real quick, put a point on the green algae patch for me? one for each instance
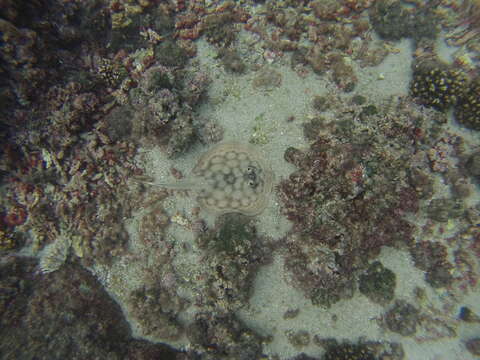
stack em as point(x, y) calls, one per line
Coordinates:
point(378, 283)
point(235, 232)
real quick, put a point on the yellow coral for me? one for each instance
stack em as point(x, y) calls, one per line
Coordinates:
point(119, 20)
point(6, 242)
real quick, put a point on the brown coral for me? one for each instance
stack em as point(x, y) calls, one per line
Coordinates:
point(16, 215)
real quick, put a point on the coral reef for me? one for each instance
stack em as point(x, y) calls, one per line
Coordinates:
point(298, 339)
point(342, 72)
point(317, 272)
point(431, 257)
point(86, 84)
point(467, 111)
point(444, 209)
point(60, 165)
point(169, 53)
point(392, 20)
point(420, 319)
point(224, 337)
point(438, 85)
point(219, 23)
point(361, 350)
point(155, 310)
point(389, 19)
point(332, 183)
point(137, 24)
point(234, 253)
point(67, 159)
point(163, 107)
point(39, 40)
point(348, 351)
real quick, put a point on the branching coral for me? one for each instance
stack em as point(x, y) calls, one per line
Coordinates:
point(54, 255)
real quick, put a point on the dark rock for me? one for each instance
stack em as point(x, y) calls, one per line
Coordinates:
point(467, 315)
point(473, 164)
point(473, 346)
point(63, 315)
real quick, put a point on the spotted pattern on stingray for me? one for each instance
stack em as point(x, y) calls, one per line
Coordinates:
point(234, 178)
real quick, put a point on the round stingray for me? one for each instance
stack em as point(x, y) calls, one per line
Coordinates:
point(233, 178)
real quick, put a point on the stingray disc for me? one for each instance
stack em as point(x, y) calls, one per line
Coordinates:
point(233, 178)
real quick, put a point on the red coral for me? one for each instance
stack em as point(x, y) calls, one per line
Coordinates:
point(16, 216)
point(186, 21)
point(189, 34)
point(407, 201)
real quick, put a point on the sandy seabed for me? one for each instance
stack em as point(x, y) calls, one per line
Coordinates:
point(238, 107)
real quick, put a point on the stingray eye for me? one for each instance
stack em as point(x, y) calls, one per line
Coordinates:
point(250, 169)
point(252, 183)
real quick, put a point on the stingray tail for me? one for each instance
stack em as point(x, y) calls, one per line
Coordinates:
point(179, 185)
